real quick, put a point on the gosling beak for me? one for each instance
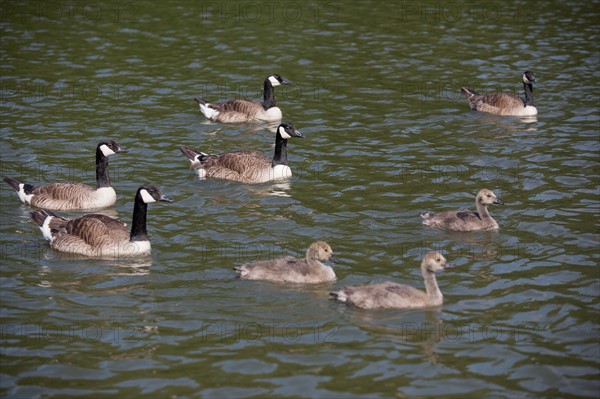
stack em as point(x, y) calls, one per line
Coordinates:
point(333, 259)
point(497, 202)
point(448, 265)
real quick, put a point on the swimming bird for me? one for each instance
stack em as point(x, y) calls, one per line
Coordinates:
point(503, 103)
point(466, 220)
point(246, 166)
point(244, 110)
point(309, 270)
point(398, 296)
point(73, 196)
point(96, 235)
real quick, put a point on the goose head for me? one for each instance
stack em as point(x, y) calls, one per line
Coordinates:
point(435, 261)
point(529, 77)
point(287, 131)
point(110, 147)
point(277, 80)
point(487, 197)
point(150, 194)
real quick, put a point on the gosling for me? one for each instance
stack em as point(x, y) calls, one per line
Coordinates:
point(291, 270)
point(466, 220)
point(391, 295)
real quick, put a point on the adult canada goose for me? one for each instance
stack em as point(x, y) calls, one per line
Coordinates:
point(466, 220)
point(96, 235)
point(291, 270)
point(244, 110)
point(502, 103)
point(246, 166)
point(399, 296)
point(73, 196)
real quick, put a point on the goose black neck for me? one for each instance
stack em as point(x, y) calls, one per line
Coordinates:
point(529, 94)
point(269, 95)
point(102, 179)
point(280, 156)
point(138, 223)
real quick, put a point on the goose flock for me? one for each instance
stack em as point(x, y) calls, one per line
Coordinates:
point(100, 236)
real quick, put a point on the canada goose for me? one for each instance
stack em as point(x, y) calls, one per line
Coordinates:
point(96, 235)
point(244, 110)
point(393, 295)
point(466, 220)
point(291, 270)
point(73, 196)
point(502, 103)
point(246, 166)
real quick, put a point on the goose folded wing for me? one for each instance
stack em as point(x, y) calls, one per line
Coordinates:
point(98, 229)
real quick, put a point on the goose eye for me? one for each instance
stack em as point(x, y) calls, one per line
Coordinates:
point(437, 260)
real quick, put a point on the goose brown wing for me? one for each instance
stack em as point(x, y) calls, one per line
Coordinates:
point(96, 229)
point(241, 161)
point(247, 107)
point(61, 191)
point(502, 100)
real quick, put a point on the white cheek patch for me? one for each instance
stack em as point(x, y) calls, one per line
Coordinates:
point(106, 151)
point(274, 81)
point(146, 197)
point(283, 133)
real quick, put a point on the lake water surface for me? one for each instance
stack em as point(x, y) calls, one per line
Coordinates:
point(388, 135)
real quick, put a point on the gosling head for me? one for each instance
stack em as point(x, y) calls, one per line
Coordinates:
point(321, 251)
point(435, 261)
point(529, 77)
point(487, 197)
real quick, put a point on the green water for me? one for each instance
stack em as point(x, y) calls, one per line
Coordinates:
point(388, 135)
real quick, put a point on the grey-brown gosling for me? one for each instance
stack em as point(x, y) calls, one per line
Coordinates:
point(309, 270)
point(503, 103)
point(246, 166)
point(73, 196)
point(466, 220)
point(244, 110)
point(96, 235)
point(391, 295)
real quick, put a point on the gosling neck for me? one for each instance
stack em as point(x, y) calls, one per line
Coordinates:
point(434, 295)
point(482, 210)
